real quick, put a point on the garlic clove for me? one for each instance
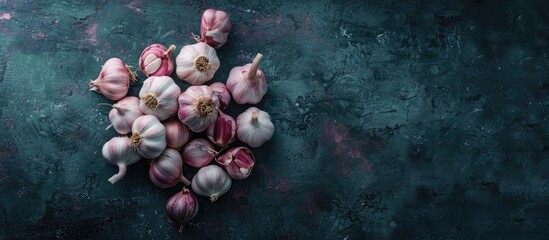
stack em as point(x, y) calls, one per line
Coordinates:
point(223, 131)
point(247, 83)
point(151, 57)
point(238, 162)
point(222, 93)
point(254, 127)
point(198, 153)
point(153, 66)
point(211, 181)
point(182, 207)
point(117, 151)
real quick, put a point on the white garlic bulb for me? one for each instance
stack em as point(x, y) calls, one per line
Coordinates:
point(124, 113)
point(159, 97)
point(197, 63)
point(254, 127)
point(211, 181)
point(148, 136)
point(117, 151)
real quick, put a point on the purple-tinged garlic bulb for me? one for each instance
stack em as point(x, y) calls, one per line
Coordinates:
point(156, 60)
point(197, 63)
point(167, 170)
point(123, 114)
point(247, 83)
point(148, 136)
point(238, 162)
point(117, 151)
point(177, 134)
point(254, 127)
point(198, 107)
point(211, 181)
point(214, 27)
point(114, 80)
point(159, 97)
point(182, 208)
point(198, 153)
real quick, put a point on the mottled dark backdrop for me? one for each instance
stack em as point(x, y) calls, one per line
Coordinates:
point(394, 120)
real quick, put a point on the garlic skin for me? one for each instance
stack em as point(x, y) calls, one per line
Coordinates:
point(238, 162)
point(167, 170)
point(197, 63)
point(117, 151)
point(223, 131)
point(198, 107)
point(222, 93)
point(254, 127)
point(156, 60)
point(182, 208)
point(148, 136)
point(211, 181)
point(159, 97)
point(198, 153)
point(177, 134)
point(214, 27)
point(247, 83)
point(114, 80)
point(124, 113)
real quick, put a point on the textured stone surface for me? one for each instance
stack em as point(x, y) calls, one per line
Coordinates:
point(394, 119)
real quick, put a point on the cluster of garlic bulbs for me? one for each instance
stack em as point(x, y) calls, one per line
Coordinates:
point(160, 123)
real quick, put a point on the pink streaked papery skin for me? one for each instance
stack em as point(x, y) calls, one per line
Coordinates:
point(215, 27)
point(163, 59)
point(165, 91)
point(114, 80)
point(186, 69)
point(222, 93)
point(124, 113)
point(223, 131)
point(177, 134)
point(254, 127)
point(167, 170)
point(151, 134)
point(182, 208)
point(117, 151)
point(247, 83)
point(188, 103)
point(238, 162)
point(198, 153)
point(211, 181)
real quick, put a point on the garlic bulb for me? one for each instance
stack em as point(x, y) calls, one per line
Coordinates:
point(159, 97)
point(156, 60)
point(223, 131)
point(114, 80)
point(182, 208)
point(254, 127)
point(214, 28)
point(222, 93)
point(123, 114)
point(211, 181)
point(247, 83)
point(198, 153)
point(177, 134)
point(238, 162)
point(167, 170)
point(148, 136)
point(117, 152)
point(197, 63)
point(198, 107)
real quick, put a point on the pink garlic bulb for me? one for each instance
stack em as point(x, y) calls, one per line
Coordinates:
point(156, 60)
point(211, 181)
point(223, 131)
point(247, 83)
point(254, 127)
point(238, 162)
point(198, 153)
point(117, 151)
point(148, 136)
point(177, 134)
point(167, 170)
point(159, 97)
point(222, 93)
point(124, 113)
point(214, 28)
point(197, 63)
point(182, 208)
point(114, 80)
point(198, 107)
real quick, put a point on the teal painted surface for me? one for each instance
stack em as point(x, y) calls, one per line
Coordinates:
point(394, 119)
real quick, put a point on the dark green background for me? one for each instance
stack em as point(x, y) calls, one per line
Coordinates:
point(394, 120)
